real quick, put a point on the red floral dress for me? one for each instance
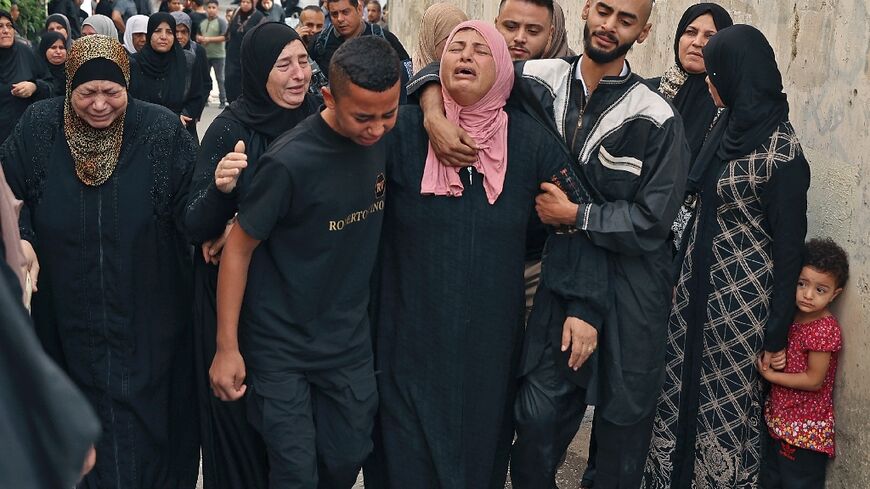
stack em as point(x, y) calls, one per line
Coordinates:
point(802, 418)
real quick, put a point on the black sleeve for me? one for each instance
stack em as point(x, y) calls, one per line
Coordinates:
point(785, 202)
point(209, 209)
point(267, 199)
point(196, 95)
point(574, 269)
point(16, 157)
point(638, 226)
point(427, 74)
point(45, 417)
point(184, 159)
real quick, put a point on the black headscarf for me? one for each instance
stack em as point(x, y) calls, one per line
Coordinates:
point(243, 22)
point(159, 65)
point(58, 72)
point(9, 64)
point(692, 99)
point(742, 66)
point(17, 63)
point(61, 19)
point(255, 108)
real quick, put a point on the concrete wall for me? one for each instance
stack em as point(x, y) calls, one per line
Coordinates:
point(823, 50)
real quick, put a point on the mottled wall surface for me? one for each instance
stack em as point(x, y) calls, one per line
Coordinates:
point(823, 49)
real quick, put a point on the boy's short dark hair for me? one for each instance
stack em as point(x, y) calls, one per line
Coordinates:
point(824, 255)
point(540, 3)
point(353, 3)
point(368, 62)
point(197, 2)
point(212, 2)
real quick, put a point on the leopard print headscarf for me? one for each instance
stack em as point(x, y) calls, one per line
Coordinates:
point(94, 151)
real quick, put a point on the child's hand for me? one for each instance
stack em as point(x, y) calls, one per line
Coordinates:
point(777, 360)
point(765, 371)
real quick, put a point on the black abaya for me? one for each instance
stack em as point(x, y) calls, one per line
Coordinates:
point(113, 306)
point(233, 452)
point(166, 79)
point(57, 72)
point(18, 63)
point(240, 24)
point(450, 306)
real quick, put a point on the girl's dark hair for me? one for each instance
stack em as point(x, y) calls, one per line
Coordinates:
point(826, 256)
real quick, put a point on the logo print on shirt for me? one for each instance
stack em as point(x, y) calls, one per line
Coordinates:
point(380, 186)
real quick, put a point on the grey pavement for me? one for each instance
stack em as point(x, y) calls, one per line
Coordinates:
point(572, 470)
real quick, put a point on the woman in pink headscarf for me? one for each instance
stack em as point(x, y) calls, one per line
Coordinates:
point(450, 301)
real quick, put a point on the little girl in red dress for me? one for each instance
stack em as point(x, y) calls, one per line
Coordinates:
point(800, 409)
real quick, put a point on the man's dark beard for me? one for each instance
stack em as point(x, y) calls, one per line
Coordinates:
point(599, 56)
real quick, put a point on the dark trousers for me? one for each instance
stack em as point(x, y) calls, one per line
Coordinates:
point(317, 425)
point(548, 412)
point(788, 467)
point(588, 480)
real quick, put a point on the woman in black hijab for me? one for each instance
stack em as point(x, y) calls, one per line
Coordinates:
point(104, 181)
point(232, 451)
point(23, 79)
point(161, 73)
point(734, 299)
point(685, 86)
point(60, 23)
point(247, 17)
point(53, 52)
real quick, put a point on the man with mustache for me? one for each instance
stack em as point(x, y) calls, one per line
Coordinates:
point(628, 143)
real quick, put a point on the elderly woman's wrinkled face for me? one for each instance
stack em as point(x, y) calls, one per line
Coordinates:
point(162, 39)
point(692, 42)
point(57, 27)
point(139, 39)
point(88, 30)
point(288, 81)
point(99, 102)
point(56, 53)
point(468, 67)
point(7, 33)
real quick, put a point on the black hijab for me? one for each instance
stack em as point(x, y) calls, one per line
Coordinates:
point(58, 72)
point(9, 64)
point(742, 66)
point(692, 99)
point(61, 19)
point(255, 108)
point(17, 63)
point(161, 65)
point(243, 22)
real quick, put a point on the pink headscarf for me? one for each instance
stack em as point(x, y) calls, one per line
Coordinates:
point(485, 121)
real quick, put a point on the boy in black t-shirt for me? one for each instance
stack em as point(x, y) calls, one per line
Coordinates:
point(307, 235)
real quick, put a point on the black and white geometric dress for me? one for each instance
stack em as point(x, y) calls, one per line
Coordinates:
point(729, 304)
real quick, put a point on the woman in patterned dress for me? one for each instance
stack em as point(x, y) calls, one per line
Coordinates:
point(741, 259)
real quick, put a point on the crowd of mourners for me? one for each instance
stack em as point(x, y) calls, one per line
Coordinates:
point(424, 269)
